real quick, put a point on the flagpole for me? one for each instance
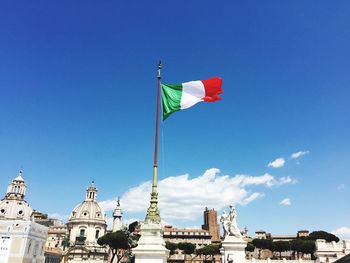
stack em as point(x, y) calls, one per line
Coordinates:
point(153, 214)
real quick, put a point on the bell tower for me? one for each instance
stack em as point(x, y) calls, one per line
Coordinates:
point(211, 224)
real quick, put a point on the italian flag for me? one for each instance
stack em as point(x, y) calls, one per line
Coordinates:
point(182, 96)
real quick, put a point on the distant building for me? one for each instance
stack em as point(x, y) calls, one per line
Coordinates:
point(265, 253)
point(85, 225)
point(56, 241)
point(210, 232)
point(328, 252)
point(246, 235)
point(21, 239)
point(39, 216)
point(303, 233)
point(199, 237)
point(261, 234)
point(56, 236)
point(211, 224)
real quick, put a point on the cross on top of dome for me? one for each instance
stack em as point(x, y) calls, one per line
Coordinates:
point(19, 177)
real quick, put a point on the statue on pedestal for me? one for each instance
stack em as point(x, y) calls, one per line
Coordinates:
point(229, 223)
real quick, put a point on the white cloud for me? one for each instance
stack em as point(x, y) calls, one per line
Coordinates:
point(287, 180)
point(342, 232)
point(286, 201)
point(299, 154)
point(279, 162)
point(183, 198)
point(108, 205)
point(341, 187)
point(126, 222)
point(109, 221)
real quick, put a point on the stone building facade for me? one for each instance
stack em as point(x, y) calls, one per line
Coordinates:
point(199, 237)
point(85, 225)
point(21, 239)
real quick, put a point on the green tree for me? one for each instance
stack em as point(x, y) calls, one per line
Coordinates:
point(171, 246)
point(323, 235)
point(133, 226)
point(210, 250)
point(262, 244)
point(295, 245)
point(307, 247)
point(119, 242)
point(250, 247)
point(65, 242)
point(187, 248)
point(281, 246)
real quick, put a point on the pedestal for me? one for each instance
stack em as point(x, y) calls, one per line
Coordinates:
point(233, 250)
point(151, 246)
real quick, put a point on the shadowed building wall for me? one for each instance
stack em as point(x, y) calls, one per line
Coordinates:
point(211, 224)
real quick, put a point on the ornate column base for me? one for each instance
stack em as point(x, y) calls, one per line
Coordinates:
point(151, 246)
point(233, 248)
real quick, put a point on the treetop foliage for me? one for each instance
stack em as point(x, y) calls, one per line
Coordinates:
point(323, 235)
point(187, 248)
point(208, 250)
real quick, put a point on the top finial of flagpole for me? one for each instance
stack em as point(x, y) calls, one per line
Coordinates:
point(159, 68)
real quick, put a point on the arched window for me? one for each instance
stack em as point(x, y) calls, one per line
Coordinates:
point(82, 232)
point(97, 233)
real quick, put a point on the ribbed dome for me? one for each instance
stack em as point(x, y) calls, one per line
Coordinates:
point(89, 210)
point(15, 209)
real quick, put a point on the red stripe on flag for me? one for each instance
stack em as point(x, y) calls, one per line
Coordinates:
point(212, 89)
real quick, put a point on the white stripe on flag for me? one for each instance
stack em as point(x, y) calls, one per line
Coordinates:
point(192, 93)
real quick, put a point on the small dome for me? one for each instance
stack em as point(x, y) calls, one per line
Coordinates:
point(89, 210)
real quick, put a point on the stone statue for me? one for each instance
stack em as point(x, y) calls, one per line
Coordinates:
point(229, 223)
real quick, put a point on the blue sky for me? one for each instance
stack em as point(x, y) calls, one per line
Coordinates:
point(78, 86)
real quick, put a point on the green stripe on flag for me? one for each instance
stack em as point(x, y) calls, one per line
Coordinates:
point(171, 98)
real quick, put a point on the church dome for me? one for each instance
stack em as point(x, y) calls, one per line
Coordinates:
point(13, 205)
point(89, 209)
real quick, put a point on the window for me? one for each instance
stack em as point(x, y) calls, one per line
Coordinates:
point(82, 232)
point(97, 233)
